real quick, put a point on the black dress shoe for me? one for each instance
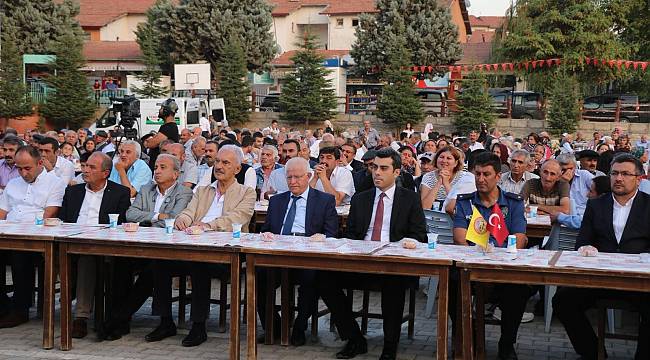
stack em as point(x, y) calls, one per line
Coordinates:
point(388, 355)
point(261, 339)
point(163, 331)
point(79, 329)
point(114, 330)
point(507, 354)
point(353, 348)
point(13, 319)
point(298, 337)
point(196, 337)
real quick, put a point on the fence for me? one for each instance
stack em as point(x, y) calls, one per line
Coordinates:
point(39, 92)
point(617, 112)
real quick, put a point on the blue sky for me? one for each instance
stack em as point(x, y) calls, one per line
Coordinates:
point(488, 7)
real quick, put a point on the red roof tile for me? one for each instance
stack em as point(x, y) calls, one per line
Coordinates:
point(480, 36)
point(285, 7)
point(284, 59)
point(492, 22)
point(477, 53)
point(112, 51)
point(97, 13)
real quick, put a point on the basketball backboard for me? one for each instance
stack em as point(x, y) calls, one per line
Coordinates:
point(192, 76)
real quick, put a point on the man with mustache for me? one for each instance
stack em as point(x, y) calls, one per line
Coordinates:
point(331, 178)
point(130, 170)
point(8, 169)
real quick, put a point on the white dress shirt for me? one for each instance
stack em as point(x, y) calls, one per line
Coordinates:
point(89, 212)
point(64, 169)
point(216, 208)
point(342, 181)
point(204, 175)
point(388, 209)
point(22, 200)
point(620, 213)
point(250, 178)
point(160, 198)
point(301, 212)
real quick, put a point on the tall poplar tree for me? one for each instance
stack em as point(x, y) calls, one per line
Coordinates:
point(474, 104)
point(149, 45)
point(14, 101)
point(232, 81)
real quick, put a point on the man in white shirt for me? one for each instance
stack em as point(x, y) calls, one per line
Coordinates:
point(331, 178)
point(90, 203)
point(49, 149)
point(513, 181)
point(204, 124)
point(35, 191)
point(205, 169)
point(473, 143)
point(277, 179)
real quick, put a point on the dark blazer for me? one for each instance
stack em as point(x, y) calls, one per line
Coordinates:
point(320, 217)
point(407, 217)
point(357, 165)
point(597, 227)
point(116, 200)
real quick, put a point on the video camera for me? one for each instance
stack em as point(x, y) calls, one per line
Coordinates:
point(129, 109)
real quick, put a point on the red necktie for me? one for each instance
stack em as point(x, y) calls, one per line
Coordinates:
point(379, 219)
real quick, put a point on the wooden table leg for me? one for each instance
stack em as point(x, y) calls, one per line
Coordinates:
point(284, 301)
point(48, 296)
point(480, 322)
point(66, 306)
point(443, 303)
point(235, 268)
point(269, 321)
point(251, 312)
point(466, 295)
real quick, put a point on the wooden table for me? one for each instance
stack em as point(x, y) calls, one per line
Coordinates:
point(538, 272)
point(538, 227)
point(151, 243)
point(345, 260)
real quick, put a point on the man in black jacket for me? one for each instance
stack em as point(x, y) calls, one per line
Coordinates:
point(90, 203)
point(613, 223)
point(384, 213)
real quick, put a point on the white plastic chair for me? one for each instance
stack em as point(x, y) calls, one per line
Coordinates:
point(438, 223)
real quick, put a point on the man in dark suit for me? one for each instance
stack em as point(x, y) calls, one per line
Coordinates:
point(385, 213)
point(302, 211)
point(90, 204)
point(616, 223)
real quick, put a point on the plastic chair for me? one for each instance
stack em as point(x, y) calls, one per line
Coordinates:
point(437, 223)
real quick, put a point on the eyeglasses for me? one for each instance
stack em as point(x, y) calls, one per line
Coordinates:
point(624, 174)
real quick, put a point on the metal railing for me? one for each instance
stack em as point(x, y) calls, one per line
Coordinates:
point(622, 112)
point(39, 92)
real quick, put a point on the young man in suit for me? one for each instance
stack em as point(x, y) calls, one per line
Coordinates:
point(214, 207)
point(385, 213)
point(612, 223)
point(163, 199)
point(34, 191)
point(301, 211)
point(89, 204)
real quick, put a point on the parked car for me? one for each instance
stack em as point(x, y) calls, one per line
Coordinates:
point(603, 108)
point(526, 104)
point(271, 102)
point(433, 101)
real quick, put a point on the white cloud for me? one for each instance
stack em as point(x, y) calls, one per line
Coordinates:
point(489, 7)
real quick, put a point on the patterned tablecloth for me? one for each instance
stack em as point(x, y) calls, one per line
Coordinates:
point(604, 261)
point(29, 229)
point(306, 244)
point(539, 220)
point(157, 235)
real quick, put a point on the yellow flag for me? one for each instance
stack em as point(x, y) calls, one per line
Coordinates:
point(477, 229)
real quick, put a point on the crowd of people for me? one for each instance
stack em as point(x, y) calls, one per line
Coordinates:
point(212, 180)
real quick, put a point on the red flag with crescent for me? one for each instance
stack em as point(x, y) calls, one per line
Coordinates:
point(497, 225)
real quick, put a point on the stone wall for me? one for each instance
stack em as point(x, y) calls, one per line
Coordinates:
point(517, 127)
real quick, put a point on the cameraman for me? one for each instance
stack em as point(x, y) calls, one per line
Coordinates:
point(168, 130)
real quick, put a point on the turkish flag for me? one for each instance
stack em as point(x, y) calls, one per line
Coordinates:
point(497, 225)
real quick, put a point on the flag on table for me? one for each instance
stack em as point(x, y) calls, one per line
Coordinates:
point(477, 229)
point(497, 225)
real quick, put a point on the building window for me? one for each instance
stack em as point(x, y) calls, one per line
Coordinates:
point(339, 22)
point(86, 36)
point(355, 22)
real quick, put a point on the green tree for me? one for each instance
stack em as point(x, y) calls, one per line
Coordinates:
point(398, 103)
point(307, 95)
point(14, 101)
point(567, 29)
point(39, 23)
point(198, 30)
point(232, 80)
point(149, 45)
point(563, 110)
point(474, 104)
point(71, 103)
point(431, 36)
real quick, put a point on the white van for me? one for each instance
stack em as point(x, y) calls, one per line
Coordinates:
point(187, 116)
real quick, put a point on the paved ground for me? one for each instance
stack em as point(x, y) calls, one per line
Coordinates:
point(533, 343)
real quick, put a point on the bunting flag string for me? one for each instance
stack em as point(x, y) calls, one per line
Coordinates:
point(531, 65)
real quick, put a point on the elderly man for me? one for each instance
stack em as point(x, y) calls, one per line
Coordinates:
point(616, 223)
point(130, 170)
point(331, 178)
point(189, 172)
point(300, 211)
point(277, 179)
point(195, 153)
point(268, 161)
point(156, 201)
point(89, 204)
point(185, 137)
point(103, 142)
point(515, 179)
point(550, 193)
point(370, 135)
point(63, 168)
point(82, 135)
point(215, 207)
point(204, 170)
point(72, 139)
point(35, 191)
point(579, 181)
point(8, 168)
